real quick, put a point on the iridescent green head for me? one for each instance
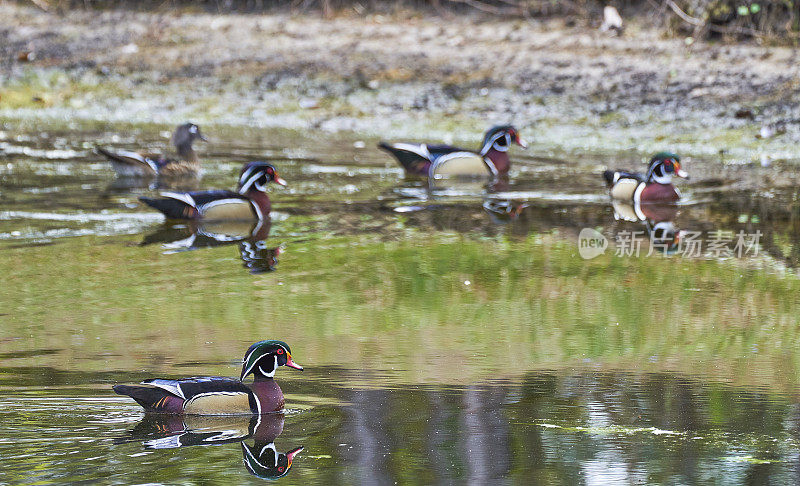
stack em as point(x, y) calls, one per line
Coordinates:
point(663, 166)
point(264, 357)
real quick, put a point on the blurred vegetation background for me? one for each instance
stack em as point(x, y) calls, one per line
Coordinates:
point(731, 20)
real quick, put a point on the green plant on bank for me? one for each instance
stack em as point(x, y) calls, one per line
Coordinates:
point(44, 88)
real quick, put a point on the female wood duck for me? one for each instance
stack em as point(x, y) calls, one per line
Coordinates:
point(214, 395)
point(654, 186)
point(249, 203)
point(133, 164)
point(437, 161)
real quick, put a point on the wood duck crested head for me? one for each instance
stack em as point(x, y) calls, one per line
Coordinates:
point(663, 166)
point(263, 359)
point(265, 462)
point(494, 148)
point(256, 175)
point(500, 138)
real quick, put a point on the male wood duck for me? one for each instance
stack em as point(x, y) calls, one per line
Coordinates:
point(249, 203)
point(438, 161)
point(214, 395)
point(262, 459)
point(654, 186)
point(134, 164)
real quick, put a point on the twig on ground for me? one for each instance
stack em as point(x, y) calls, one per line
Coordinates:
point(686, 17)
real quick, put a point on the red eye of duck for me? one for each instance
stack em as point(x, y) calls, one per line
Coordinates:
point(280, 351)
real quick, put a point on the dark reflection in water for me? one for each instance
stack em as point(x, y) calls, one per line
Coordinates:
point(260, 457)
point(250, 238)
point(658, 220)
point(581, 428)
point(602, 428)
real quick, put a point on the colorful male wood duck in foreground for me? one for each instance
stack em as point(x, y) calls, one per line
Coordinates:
point(438, 161)
point(249, 203)
point(214, 395)
point(654, 186)
point(133, 164)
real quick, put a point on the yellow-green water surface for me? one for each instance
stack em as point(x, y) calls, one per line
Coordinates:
point(443, 341)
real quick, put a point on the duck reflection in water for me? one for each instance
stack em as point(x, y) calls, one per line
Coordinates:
point(251, 238)
point(658, 220)
point(503, 211)
point(261, 459)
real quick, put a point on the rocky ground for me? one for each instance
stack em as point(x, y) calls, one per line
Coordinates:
point(570, 89)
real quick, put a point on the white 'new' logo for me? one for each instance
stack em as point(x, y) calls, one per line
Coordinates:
point(591, 243)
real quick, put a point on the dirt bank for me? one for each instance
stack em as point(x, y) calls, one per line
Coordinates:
point(571, 89)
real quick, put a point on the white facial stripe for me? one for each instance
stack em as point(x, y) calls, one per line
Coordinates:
point(250, 181)
point(270, 446)
point(660, 176)
point(246, 359)
point(193, 129)
point(247, 173)
point(502, 148)
point(491, 142)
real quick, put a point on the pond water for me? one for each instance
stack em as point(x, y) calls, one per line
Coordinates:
point(449, 334)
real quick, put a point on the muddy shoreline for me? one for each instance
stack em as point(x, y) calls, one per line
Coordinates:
point(573, 90)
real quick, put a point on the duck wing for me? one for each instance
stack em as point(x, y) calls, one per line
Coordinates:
point(212, 395)
point(127, 163)
point(613, 176)
point(192, 205)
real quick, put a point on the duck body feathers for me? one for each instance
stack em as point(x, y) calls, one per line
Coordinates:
point(633, 187)
point(205, 395)
point(437, 160)
point(133, 164)
point(210, 205)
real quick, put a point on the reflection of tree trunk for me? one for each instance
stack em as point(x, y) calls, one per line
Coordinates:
point(366, 437)
point(439, 434)
point(793, 428)
point(485, 435)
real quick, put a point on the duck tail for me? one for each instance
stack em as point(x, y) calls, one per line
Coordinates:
point(171, 208)
point(129, 164)
point(146, 396)
point(151, 398)
point(411, 161)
